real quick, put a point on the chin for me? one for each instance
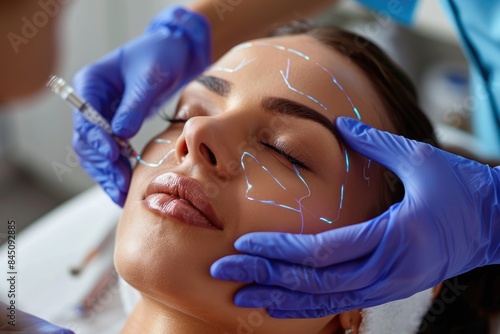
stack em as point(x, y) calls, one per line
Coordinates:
point(170, 263)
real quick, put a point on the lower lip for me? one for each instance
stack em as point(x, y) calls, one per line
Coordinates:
point(173, 207)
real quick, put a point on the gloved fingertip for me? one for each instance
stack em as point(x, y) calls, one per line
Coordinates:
point(122, 174)
point(243, 243)
point(217, 270)
point(104, 145)
point(115, 194)
point(242, 299)
point(255, 242)
point(227, 270)
point(278, 314)
point(350, 126)
point(67, 331)
point(120, 201)
point(127, 120)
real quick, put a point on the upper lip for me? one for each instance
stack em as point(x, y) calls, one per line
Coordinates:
point(187, 189)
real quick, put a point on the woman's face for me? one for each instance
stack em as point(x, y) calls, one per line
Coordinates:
point(257, 152)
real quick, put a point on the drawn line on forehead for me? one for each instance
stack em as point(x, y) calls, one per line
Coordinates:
point(285, 78)
point(242, 64)
point(334, 80)
point(306, 57)
point(275, 46)
point(222, 87)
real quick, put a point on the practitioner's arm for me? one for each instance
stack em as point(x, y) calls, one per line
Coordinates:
point(233, 22)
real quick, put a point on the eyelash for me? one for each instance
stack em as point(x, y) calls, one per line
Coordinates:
point(172, 119)
point(279, 148)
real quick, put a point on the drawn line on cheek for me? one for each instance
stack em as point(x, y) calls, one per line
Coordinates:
point(301, 208)
point(250, 186)
point(365, 170)
point(285, 77)
point(152, 164)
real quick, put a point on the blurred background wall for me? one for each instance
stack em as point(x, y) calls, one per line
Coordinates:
point(38, 169)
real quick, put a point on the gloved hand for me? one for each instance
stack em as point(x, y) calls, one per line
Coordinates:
point(127, 84)
point(26, 323)
point(447, 223)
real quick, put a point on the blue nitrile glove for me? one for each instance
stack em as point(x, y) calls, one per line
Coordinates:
point(448, 223)
point(127, 84)
point(20, 322)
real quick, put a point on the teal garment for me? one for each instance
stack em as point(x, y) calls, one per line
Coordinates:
point(400, 10)
point(478, 26)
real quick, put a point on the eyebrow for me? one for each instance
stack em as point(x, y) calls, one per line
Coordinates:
point(217, 85)
point(277, 105)
point(291, 108)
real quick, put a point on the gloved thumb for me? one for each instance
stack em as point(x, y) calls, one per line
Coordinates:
point(152, 74)
point(132, 110)
point(394, 152)
point(142, 94)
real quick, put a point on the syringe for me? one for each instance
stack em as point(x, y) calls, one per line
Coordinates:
point(67, 93)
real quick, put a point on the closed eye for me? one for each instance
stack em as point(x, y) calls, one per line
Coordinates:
point(288, 155)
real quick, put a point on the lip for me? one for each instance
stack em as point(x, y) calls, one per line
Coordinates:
point(176, 196)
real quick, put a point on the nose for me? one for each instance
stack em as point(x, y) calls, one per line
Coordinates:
point(205, 141)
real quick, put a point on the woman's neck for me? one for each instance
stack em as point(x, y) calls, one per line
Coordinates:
point(150, 317)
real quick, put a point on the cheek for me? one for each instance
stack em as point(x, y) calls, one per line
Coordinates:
point(323, 210)
point(270, 197)
point(279, 199)
point(363, 194)
point(160, 151)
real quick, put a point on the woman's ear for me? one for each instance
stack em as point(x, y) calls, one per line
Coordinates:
point(350, 321)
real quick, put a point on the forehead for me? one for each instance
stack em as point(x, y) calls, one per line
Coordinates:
point(299, 67)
